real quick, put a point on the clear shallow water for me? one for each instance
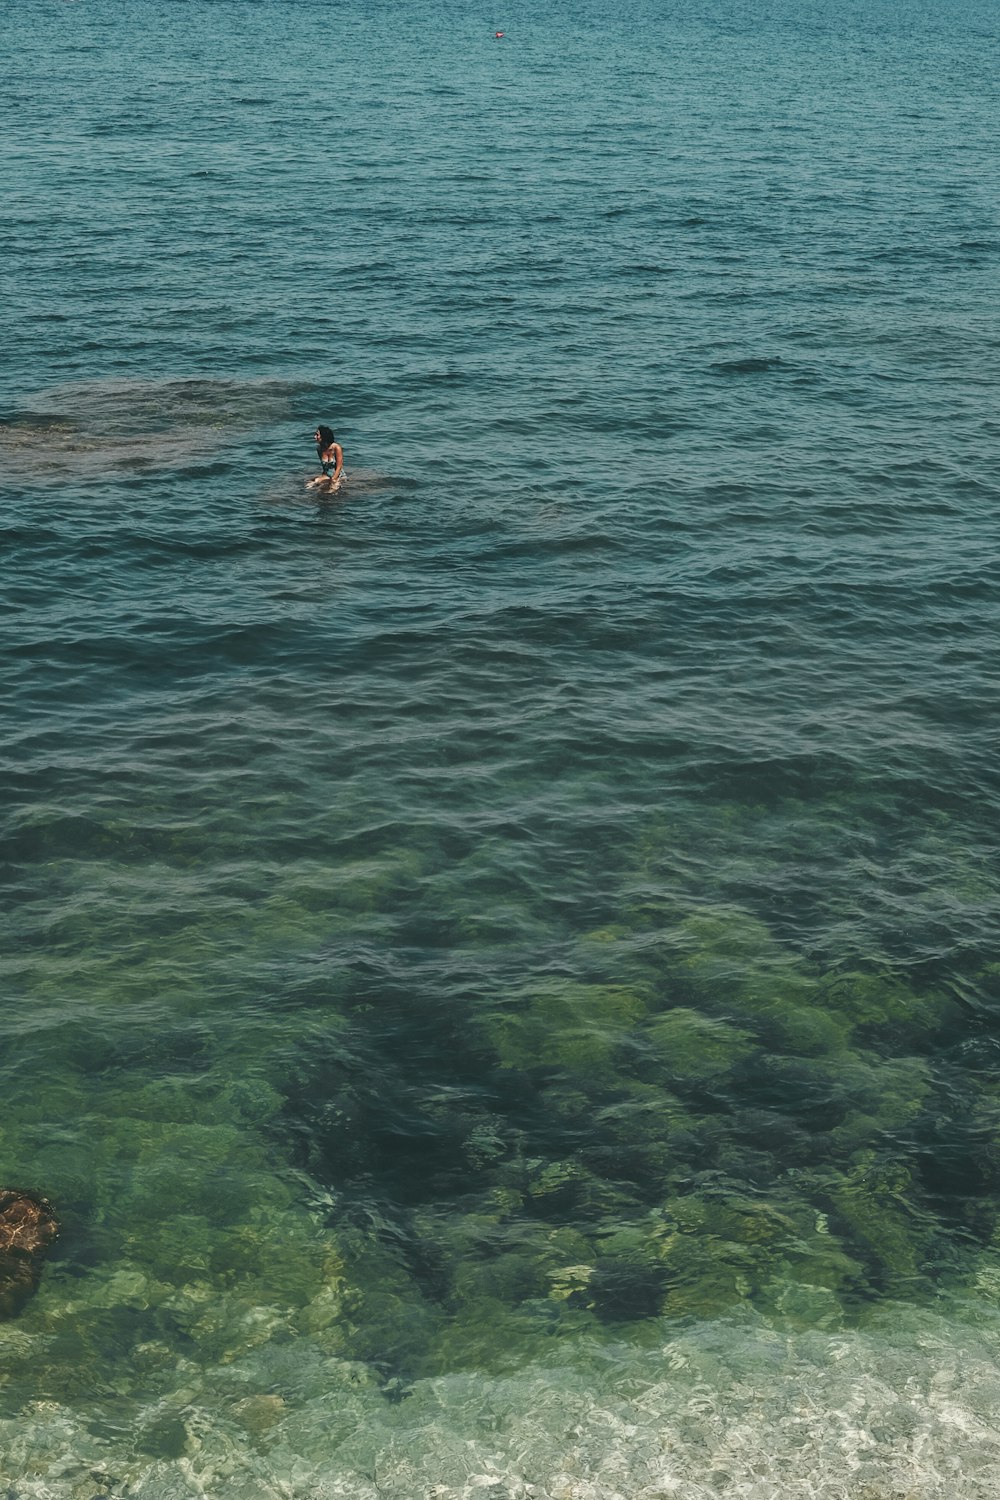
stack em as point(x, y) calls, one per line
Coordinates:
point(501, 981)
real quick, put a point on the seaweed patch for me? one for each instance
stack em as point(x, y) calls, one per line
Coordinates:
point(28, 1225)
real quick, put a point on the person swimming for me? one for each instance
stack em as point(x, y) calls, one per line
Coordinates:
point(331, 457)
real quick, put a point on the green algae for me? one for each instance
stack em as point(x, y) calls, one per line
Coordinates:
point(259, 1128)
point(567, 1027)
point(186, 1198)
point(601, 1109)
point(695, 1047)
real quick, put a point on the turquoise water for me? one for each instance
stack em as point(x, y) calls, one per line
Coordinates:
point(502, 982)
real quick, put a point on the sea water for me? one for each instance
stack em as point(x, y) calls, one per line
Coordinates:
point(502, 984)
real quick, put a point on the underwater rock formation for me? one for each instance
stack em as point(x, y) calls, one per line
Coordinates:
point(28, 1226)
point(91, 429)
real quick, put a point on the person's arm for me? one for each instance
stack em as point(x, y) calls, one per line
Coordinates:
point(338, 455)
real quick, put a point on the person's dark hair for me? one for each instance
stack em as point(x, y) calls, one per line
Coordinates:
point(325, 436)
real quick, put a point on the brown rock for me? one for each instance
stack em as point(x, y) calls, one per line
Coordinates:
point(28, 1226)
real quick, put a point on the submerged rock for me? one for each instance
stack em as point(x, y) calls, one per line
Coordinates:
point(28, 1226)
